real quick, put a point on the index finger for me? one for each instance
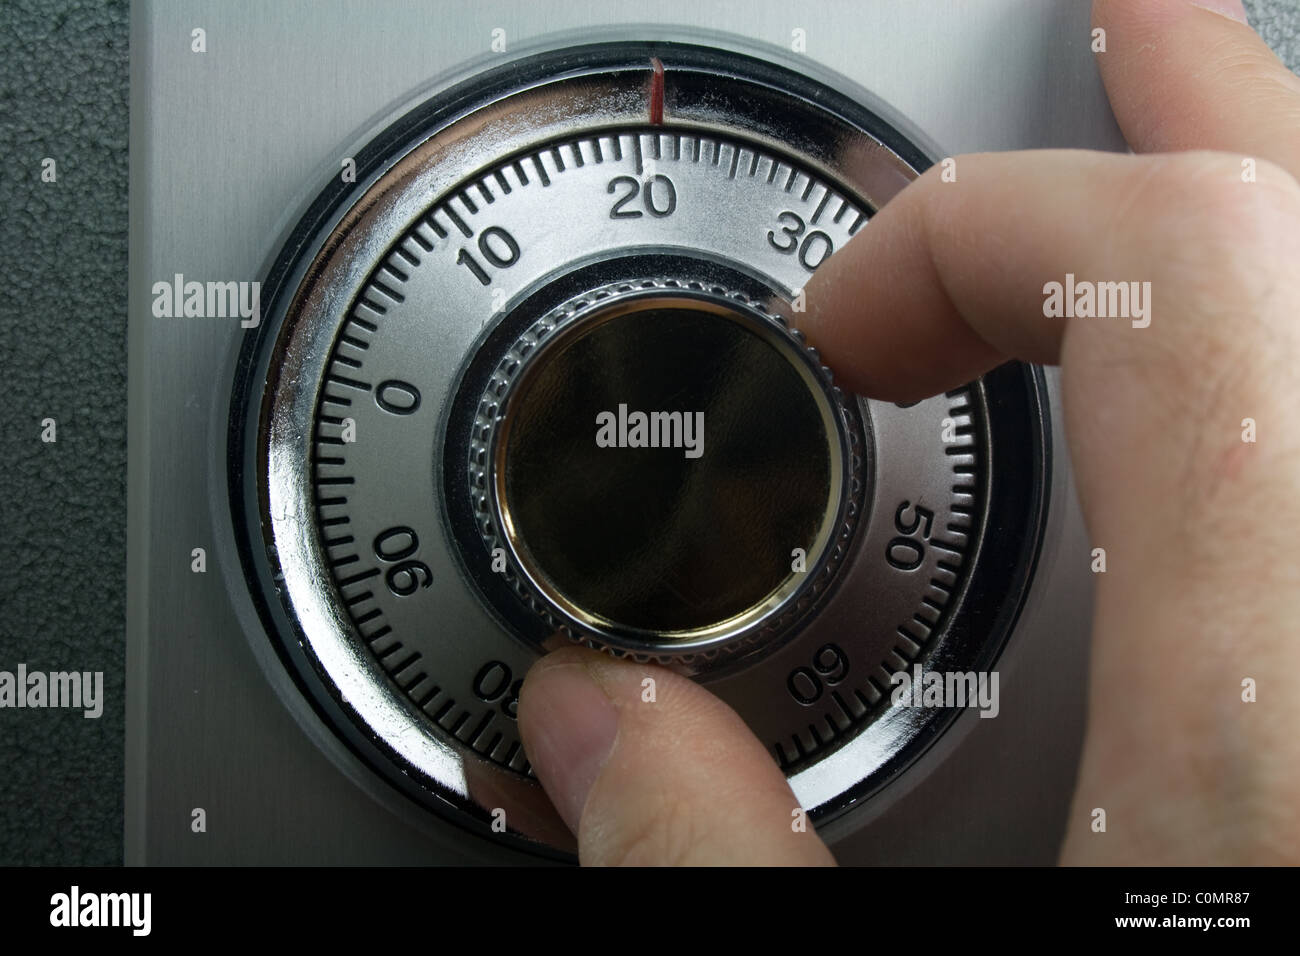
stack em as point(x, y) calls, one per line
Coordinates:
point(948, 279)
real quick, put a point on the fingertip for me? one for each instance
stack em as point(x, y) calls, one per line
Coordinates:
point(1193, 74)
point(569, 725)
point(648, 767)
point(1155, 12)
point(1232, 9)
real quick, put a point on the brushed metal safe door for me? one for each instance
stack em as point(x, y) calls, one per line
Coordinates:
point(458, 332)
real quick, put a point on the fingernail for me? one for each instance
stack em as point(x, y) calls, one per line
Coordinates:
point(1229, 8)
point(570, 732)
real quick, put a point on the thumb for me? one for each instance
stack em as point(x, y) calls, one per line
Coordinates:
point(648, 768)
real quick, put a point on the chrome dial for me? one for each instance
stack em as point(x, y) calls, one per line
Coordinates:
point(421, 475)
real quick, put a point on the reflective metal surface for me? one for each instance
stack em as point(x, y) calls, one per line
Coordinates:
point(231, 712)
point(666, 551)
point(374, 354)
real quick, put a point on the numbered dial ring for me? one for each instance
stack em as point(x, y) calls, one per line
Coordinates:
point(435, 443)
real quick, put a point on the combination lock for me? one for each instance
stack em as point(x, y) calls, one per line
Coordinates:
point(535, 377)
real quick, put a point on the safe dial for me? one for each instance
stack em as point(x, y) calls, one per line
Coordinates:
point(536, 378)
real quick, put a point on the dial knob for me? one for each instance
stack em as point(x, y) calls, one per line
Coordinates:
point(662, 467)
point(532, 379)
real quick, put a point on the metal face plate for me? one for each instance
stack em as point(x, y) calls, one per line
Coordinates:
point(213, 718)
point(370, 352)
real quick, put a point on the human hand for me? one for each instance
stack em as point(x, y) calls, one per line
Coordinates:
point(1198, 525)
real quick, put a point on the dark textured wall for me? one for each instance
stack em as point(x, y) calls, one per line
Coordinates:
point(63, 95)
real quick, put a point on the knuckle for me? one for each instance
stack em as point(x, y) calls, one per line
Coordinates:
point(1220, 252)
point(1223, 341)
point(1199, 205)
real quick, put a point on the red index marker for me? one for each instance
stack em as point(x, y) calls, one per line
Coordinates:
point(657, 92)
